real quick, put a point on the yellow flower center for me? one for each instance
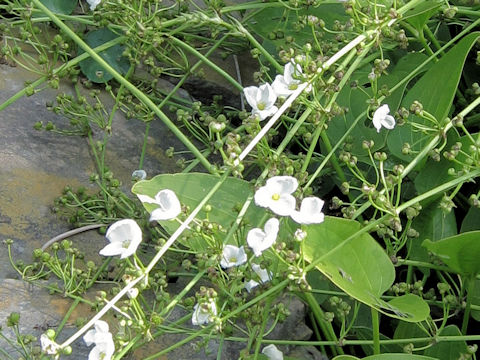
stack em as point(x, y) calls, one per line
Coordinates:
point(276, 197)
point(292, 87)
point(233, 259)
point(126, 243)
point(261, 106)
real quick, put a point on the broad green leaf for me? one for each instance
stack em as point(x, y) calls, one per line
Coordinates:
point(471, 221)
point(448, 350)
point(420, 14)
point(433, 224)
point(60, 6)
point(386, 357)
point(360, 267)
point(191, 188)
point(112, 56)
point(460, 252)
point(435, 90)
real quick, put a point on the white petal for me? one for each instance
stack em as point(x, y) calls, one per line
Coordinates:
point(280, 86)
point(287, 184)
point(263, 114)
point(146, 199)
point(89, 337)
point(268, 95)
point(112, 249)
point(388, 122)
point(251, 95)
point(272, 352)
point(263, 196)
point(251, 285)
point(169, 206)
point(260, 240)
point(263, 274)
point(283, 206)
point(101, 326)
point(93, 3)
point(310, 211)
point(102, 351)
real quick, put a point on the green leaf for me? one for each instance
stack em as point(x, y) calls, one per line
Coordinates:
point(191, 188)
point(420, 14)
point(360, 267)
point(470, 221)
point(460, 252)
point(433, 224)
point(436, 91)
point(447, 350)
point(65, 7)
point(112, 56)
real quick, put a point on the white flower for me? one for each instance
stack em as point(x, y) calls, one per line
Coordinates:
point(276, 195)
point(169, 205)
point(263, 274)
point(103, 340)
point(124, 236)
point(262, 100)
point(233, 256)
point(48, 345)
point(310, 211)
point(260, 240)
point(202, 313)
point(93, 3)
point(272, 352)
point(381, 118)
point(286, 84)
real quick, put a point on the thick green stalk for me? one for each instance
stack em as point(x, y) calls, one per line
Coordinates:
point(132, 88)
point(470, 295)
point(376, 331)
point(325, 326)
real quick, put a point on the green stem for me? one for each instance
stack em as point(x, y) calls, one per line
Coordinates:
point(132, 88)
point(67, 316)
point(325, 326)
point(470, 294)
point(376, 331)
